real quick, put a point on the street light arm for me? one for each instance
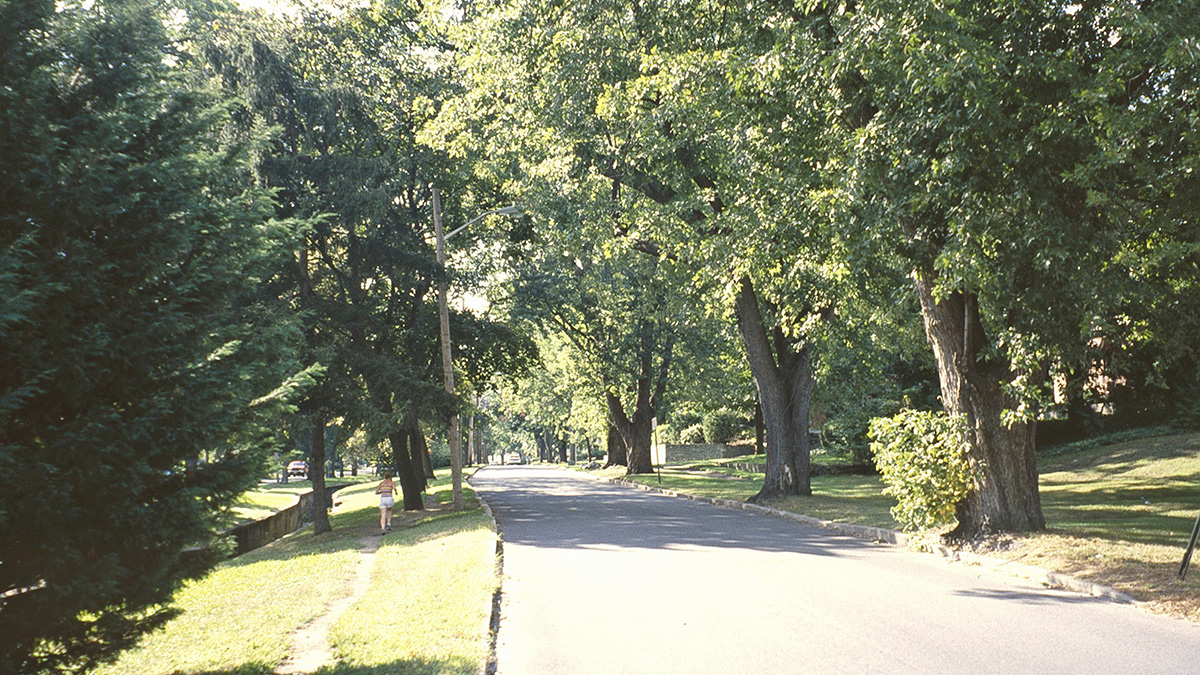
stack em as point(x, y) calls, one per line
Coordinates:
point(502, 211)
point(454, 437)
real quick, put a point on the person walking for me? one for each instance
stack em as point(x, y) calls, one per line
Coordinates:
point(386, 491)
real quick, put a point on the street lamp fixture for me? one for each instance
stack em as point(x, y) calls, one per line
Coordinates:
point(503, 211)
point(455, 435)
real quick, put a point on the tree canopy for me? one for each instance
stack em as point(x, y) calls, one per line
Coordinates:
point(216, 239)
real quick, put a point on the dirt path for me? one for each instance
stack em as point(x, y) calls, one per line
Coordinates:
point(310, 643)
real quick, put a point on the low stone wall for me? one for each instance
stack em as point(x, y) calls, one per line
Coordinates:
point(679, 454)
point(748, 468)
point(814, 469)
point(258, 533)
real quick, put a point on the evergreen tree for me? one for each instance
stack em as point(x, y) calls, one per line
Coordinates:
point(138, 332)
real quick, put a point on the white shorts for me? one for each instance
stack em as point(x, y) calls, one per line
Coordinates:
point(386, 502)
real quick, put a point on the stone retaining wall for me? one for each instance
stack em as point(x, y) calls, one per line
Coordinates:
point(680, 454)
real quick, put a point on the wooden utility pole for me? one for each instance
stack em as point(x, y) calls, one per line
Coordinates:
point(455, 439)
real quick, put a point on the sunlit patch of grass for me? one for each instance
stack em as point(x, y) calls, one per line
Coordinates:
point(267, 499)
point(1120, 515)
point(429, 603)
point(239, 617)
point(716, 487)
point(844, 499)
point(610, 472)
point(1138, 492)
point(847, 499)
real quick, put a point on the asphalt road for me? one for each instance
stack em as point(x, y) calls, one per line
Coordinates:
point(602, 578)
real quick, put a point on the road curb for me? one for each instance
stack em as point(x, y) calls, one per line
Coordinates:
point(900, 539)
point(493, 620)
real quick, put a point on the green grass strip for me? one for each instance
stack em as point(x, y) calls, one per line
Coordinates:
point(430, 600)
point(425, 612)
point(239, 618)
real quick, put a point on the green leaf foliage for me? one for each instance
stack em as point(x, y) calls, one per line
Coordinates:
point(722, 426)
point(692, 435)
point(138, 333)
point(922, 458)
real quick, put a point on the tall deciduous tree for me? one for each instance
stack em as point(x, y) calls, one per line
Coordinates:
point(139, 329)
point(616, 107)
point(970, 145)
point(349, 92)
point(345, 155)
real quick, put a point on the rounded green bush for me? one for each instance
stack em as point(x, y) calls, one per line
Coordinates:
point(721, 426)
point(666, 434)
point(921, 457)
point(692, 435)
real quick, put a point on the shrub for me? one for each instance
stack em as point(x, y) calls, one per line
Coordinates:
point(846, 430)
point(921, 457)
point(721, 426)
point(1187, 409)
point(692, 435)
point(667, 434)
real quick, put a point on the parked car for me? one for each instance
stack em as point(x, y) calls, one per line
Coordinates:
point(298, 467)
point(513, 458)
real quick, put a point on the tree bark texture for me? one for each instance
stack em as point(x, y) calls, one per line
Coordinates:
point(1004, 492)
point(783, 375)
point(539, 438)
point(633, 433)
point(316, 471)
point(760, 429)
point(420, 448)
point(637, 432)
point(616, 448)
point(406, 471)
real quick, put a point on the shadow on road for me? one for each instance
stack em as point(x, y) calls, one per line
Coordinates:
point(1028, 597)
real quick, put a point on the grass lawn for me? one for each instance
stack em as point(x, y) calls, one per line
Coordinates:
point(1121, 515)
point(429, 605)
point(238, 618)
point(1117, 513)
point(269, 497)
point(431, 589)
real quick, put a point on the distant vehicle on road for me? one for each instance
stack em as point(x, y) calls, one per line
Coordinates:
point(298, 467)
point(514, 458)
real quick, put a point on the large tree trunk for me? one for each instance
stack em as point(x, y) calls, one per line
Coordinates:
point(420, 448)
point(617, 456)
point(633, 433)
point(1004, 493)
point(637, 433)
point(407, 465)
point(785, 386)
point(406, 471)
point(760, 429)
point(316, 471)
point(469, 457)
